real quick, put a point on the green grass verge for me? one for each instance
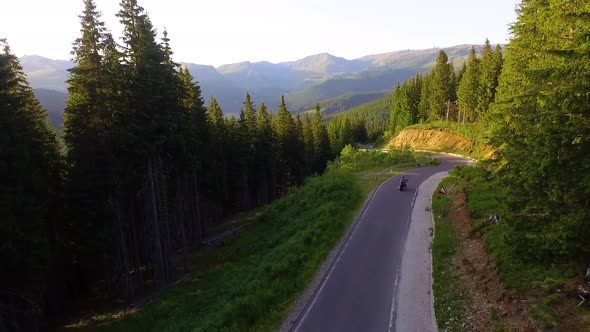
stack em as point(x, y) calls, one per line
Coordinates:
point(249, 282)
point(449, 302)
point(374, 160)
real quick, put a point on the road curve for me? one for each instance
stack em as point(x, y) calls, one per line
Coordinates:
point(359, 290)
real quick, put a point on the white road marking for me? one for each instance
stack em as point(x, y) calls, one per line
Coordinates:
point(391, 321)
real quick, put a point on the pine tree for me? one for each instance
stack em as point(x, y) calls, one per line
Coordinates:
point(90, 136)
point(488, 79)
point(286, 132)
point(405, 104)
point(215, 114)
point(248, 131)
point(31, 168)
point(236, 156)
point(405, 117)
point(467, 94)
point(266, 160)
point(248, 118)
point(321, 141)
point(299, 158)
point(453, 84)
point(415, 96)
point(216, 167)
point(541, 112)
point(460, 74)
point(440, 87)
point(308, 143)
point(151, 94)
point(396, 109)
point(191, 151)
point(424, 103)
point(359, 129)
point(498, 59)
point(151, 91)
point(346, 134)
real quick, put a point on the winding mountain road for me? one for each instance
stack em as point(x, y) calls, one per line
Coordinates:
point(379, 280)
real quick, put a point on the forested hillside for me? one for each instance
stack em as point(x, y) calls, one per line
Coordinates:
point(374, 115)
point(363, 82)
point(146, 171)
point(460, 96)
point(348, 101)
point(445, 94)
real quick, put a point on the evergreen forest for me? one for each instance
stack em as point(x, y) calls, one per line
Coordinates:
point(145, 169)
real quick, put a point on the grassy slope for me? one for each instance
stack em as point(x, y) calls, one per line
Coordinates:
point(535, 281)
point(251, 281)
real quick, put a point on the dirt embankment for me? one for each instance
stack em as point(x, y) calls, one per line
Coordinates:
point(491, 306)
point(437, 140)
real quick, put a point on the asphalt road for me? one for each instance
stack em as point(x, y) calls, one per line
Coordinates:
point(359, 292)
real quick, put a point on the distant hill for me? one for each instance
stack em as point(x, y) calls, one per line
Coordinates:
point(54, 102)
point(304, 82)
point(44, 73)
point(419, 59)
point(325, 63)
point(365, 81)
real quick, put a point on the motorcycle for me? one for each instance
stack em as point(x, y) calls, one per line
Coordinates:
point(403, 186)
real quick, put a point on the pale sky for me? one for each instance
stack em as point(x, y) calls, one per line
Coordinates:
point(218, 32)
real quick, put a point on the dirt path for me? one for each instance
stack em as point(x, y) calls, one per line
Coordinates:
point(491, 306)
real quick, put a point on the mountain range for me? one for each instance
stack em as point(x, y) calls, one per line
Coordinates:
point(305, 82)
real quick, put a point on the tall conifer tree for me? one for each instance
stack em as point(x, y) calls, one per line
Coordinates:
point(321, 141)
point(541, 112)
point(440, 87)
point(487, 80)
point(89, 135)
point(467, 94)
point(31, 168)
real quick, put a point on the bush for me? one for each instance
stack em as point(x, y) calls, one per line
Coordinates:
point(354, 159)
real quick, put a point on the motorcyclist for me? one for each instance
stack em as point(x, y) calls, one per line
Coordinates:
point(403, 182)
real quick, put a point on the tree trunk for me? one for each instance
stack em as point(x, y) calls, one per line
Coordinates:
point(153, 219)
point(181, 221)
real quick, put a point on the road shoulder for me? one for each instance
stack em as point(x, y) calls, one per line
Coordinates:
point(415, 301)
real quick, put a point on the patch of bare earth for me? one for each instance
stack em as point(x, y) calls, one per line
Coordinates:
point(490, 306)
point(438, 140)
point(429, 139)
point(572, 318)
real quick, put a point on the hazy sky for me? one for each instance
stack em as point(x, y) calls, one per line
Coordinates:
point(225, 31)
